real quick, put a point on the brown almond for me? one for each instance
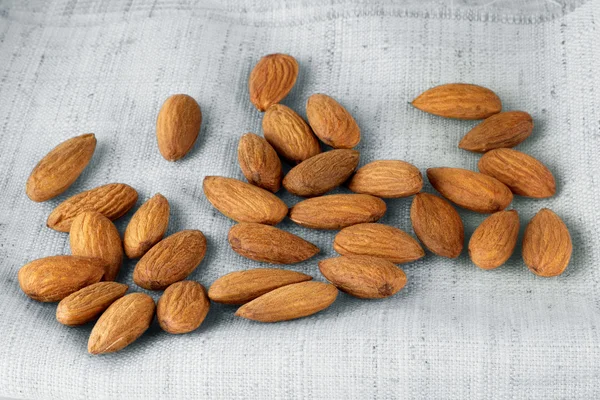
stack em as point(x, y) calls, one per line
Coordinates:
point(147, 226)
point(505, 129)
point(182, 307)
point(86, 304)
point(387, 179)
point(331, 122)
point(259, 162)
point(272, 79)
point(178, 126)
point(494, 240)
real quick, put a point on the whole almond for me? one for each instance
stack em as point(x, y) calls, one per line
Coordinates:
point(182, 307)
point(272, 79)
point(331, 122)
point(147, 226)
point(86, 304)
point(337, 211)
point(437, 225)
point(243, 202)
point(122, 323)
point(268, 244)
point(112, 201)
point(387, 179)
point(240, 287)
point(60, 167)
point(470, 190)
point(53, 278)
point(321, 173)
point(494, 241)
point(259, 162)
point(170, 260)
point(523, 174)
point(178, 126)
point(505, 129)
point(547, 245)
point(289, 302)
point(378, 240)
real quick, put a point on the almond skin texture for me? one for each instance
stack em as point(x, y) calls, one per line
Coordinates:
point(547, 245)
point(147, 226)
point(321, 173)
point(122, 323)
point(112, 201)
point(243, 202)
point(470, 190)
point(86, 304)
point(459, 100)
point(387, 179)
point(494, 241)
point(95, 236)
point(506, 129)
point(289, 302)
point(378, 240)
point(437, 225)
point(364, 277)
point(178, 126)
point(272, 79)
point(182, 307)
point(337, 211)
point(60, 167)
point(268, 244)
point(53, 278)
point(240, 287)
point(170, 260)
point(289, 135)
point(259, 162)
point(331, 122)
point(523, 174)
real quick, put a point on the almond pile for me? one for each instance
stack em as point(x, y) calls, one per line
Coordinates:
point(84, 282)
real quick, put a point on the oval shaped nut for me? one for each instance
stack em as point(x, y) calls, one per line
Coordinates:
point(470, 190)
point(494, 241)
point(505, 129)
point(387, 179)
point(60, 167)
point(170, 260)
point(289, 302)
point(243, 202)
point(272, 79)
point(547, 245)
point(147, 226)
point(378, 240)
point(86, 304)
point(53, 278)
point(437, 225)
point(177, 126)
point(321, 173)
point(182, 307)
point(331, 122)
point(459, 100)
point(523, 174)
point(122, 323)
point(268, 244)
point(337, 211)
point(259, 162)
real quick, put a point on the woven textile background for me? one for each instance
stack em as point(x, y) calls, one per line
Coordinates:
point(455, 331)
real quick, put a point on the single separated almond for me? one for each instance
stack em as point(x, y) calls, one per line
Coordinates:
point(272, 79)
point(505, 129)
point(243, 202)
point(268, 244)
point(178, 126)
point(387, 179)
point(259, 162)
point(147, 226)
point(182, 307)
point(86, 304)
point(331, 122)
point(60, 167)
point(494, 241)
point(289, 302)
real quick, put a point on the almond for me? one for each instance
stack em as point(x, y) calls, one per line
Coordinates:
point(112, 201)
point(470, 190)
point(437, 225)
point(289, 302)
point(505, 129)
point(147, 226)
point(170, 260)
point(331, 122)
point(547, 245)
point(494, 241)
point(259, 162)
point(243, 202)
point(272, 79)
point(60, 167)
point(387, 179)
point(459, 100)
point(178, 126)
point(523, 174)
point(182, 307)
point(268, 244)
point(321, 173)
point(86, 304)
